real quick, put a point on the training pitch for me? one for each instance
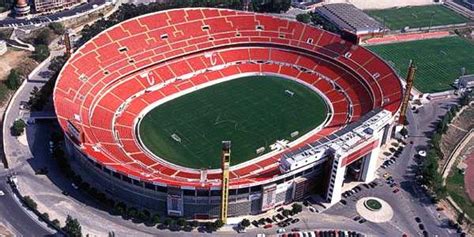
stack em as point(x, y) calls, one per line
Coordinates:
point(252, 112)
point(438, 61)
point(417, 16)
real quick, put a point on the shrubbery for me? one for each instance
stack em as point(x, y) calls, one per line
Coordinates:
point(18, 127)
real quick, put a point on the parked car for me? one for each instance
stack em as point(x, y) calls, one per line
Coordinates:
point(396, 190)
point(343, 202)
point(281, 230)
point(267, 226)
point(356, 218)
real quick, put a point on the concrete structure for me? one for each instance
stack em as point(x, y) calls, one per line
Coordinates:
point(350, 19)
point(469, 4)
point(47, 6)
point(22, 9)
point(3, 47)
point(465, 82)
point(104, 147)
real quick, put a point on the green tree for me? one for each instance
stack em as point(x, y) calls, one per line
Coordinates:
point(18, 127)
point(304, 17)
point(57, 63)
point(13, 81)
point(30, 202)
point(296, 208)
point(44, 37)
point(404, 132)
point(245, 223)
point(272, 6)
point(155, 219)
point(57, 28)
point(218, 223)
point(45, 216)
point(286, 212)
point(181, 222)
point(461, 218)
point(168, 222)
point(72, 227)
point(41, 53)
point(56, 223)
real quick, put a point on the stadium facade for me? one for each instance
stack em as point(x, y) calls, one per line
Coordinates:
point(107, 83)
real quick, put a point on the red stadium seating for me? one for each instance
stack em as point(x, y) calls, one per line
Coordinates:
point(111, 80)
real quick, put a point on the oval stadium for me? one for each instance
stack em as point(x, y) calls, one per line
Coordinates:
point(202, 112)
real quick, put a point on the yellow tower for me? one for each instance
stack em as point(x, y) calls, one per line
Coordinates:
point(408, 87)
point(225, 180)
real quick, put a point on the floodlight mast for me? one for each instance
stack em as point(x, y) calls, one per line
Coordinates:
point(406, 97)
point(225, 180)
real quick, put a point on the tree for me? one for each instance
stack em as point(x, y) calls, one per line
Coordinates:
point(181, 222)
point(245, 223)
point(296, 208)
point(404, 132)
point(41, 53)
point(218, 223)
point(168, 222)
point(194, 223)
point(286, 212)
point(304, 18)
point(461, 218)
point(57, 63)
point(30, 202)
point(155, 219)
point(13, 80)
point(72, 227)
point(272, 6)
point(45, 216)
point(44, 37)
point(56, 223)
point(57, 28)
point(18, 127)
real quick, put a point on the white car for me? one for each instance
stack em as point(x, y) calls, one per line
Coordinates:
point(422, 153)
point(1, 193)
point(281, 230)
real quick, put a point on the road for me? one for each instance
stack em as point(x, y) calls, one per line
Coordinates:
point(15, 216)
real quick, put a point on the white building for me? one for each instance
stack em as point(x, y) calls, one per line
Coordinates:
point(3, 47)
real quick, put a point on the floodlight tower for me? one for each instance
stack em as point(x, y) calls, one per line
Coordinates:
point(225, 180)
point(68, 43)
point(406, 96)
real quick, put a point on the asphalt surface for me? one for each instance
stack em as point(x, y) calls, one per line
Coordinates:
point(12, 22)
point(15, 217)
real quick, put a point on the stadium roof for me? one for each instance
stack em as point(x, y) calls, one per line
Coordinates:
point(350, 18)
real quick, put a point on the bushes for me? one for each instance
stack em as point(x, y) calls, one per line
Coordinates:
point(245, 223)
point(57, 28)
point(304, 18)
point(13, 81)
point(41, 53)
point(72, 227)
point(18, 127)
point(30, 203)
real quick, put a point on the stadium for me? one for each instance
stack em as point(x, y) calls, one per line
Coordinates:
point(146, 104)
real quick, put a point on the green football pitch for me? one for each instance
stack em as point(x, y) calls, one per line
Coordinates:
point(417, 16)
point(438, 61)
point(251, 112)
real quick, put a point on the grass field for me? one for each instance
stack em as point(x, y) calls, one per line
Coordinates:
point(252, 112)
point(438, 61)
point(455, 186)
point(417, 16)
